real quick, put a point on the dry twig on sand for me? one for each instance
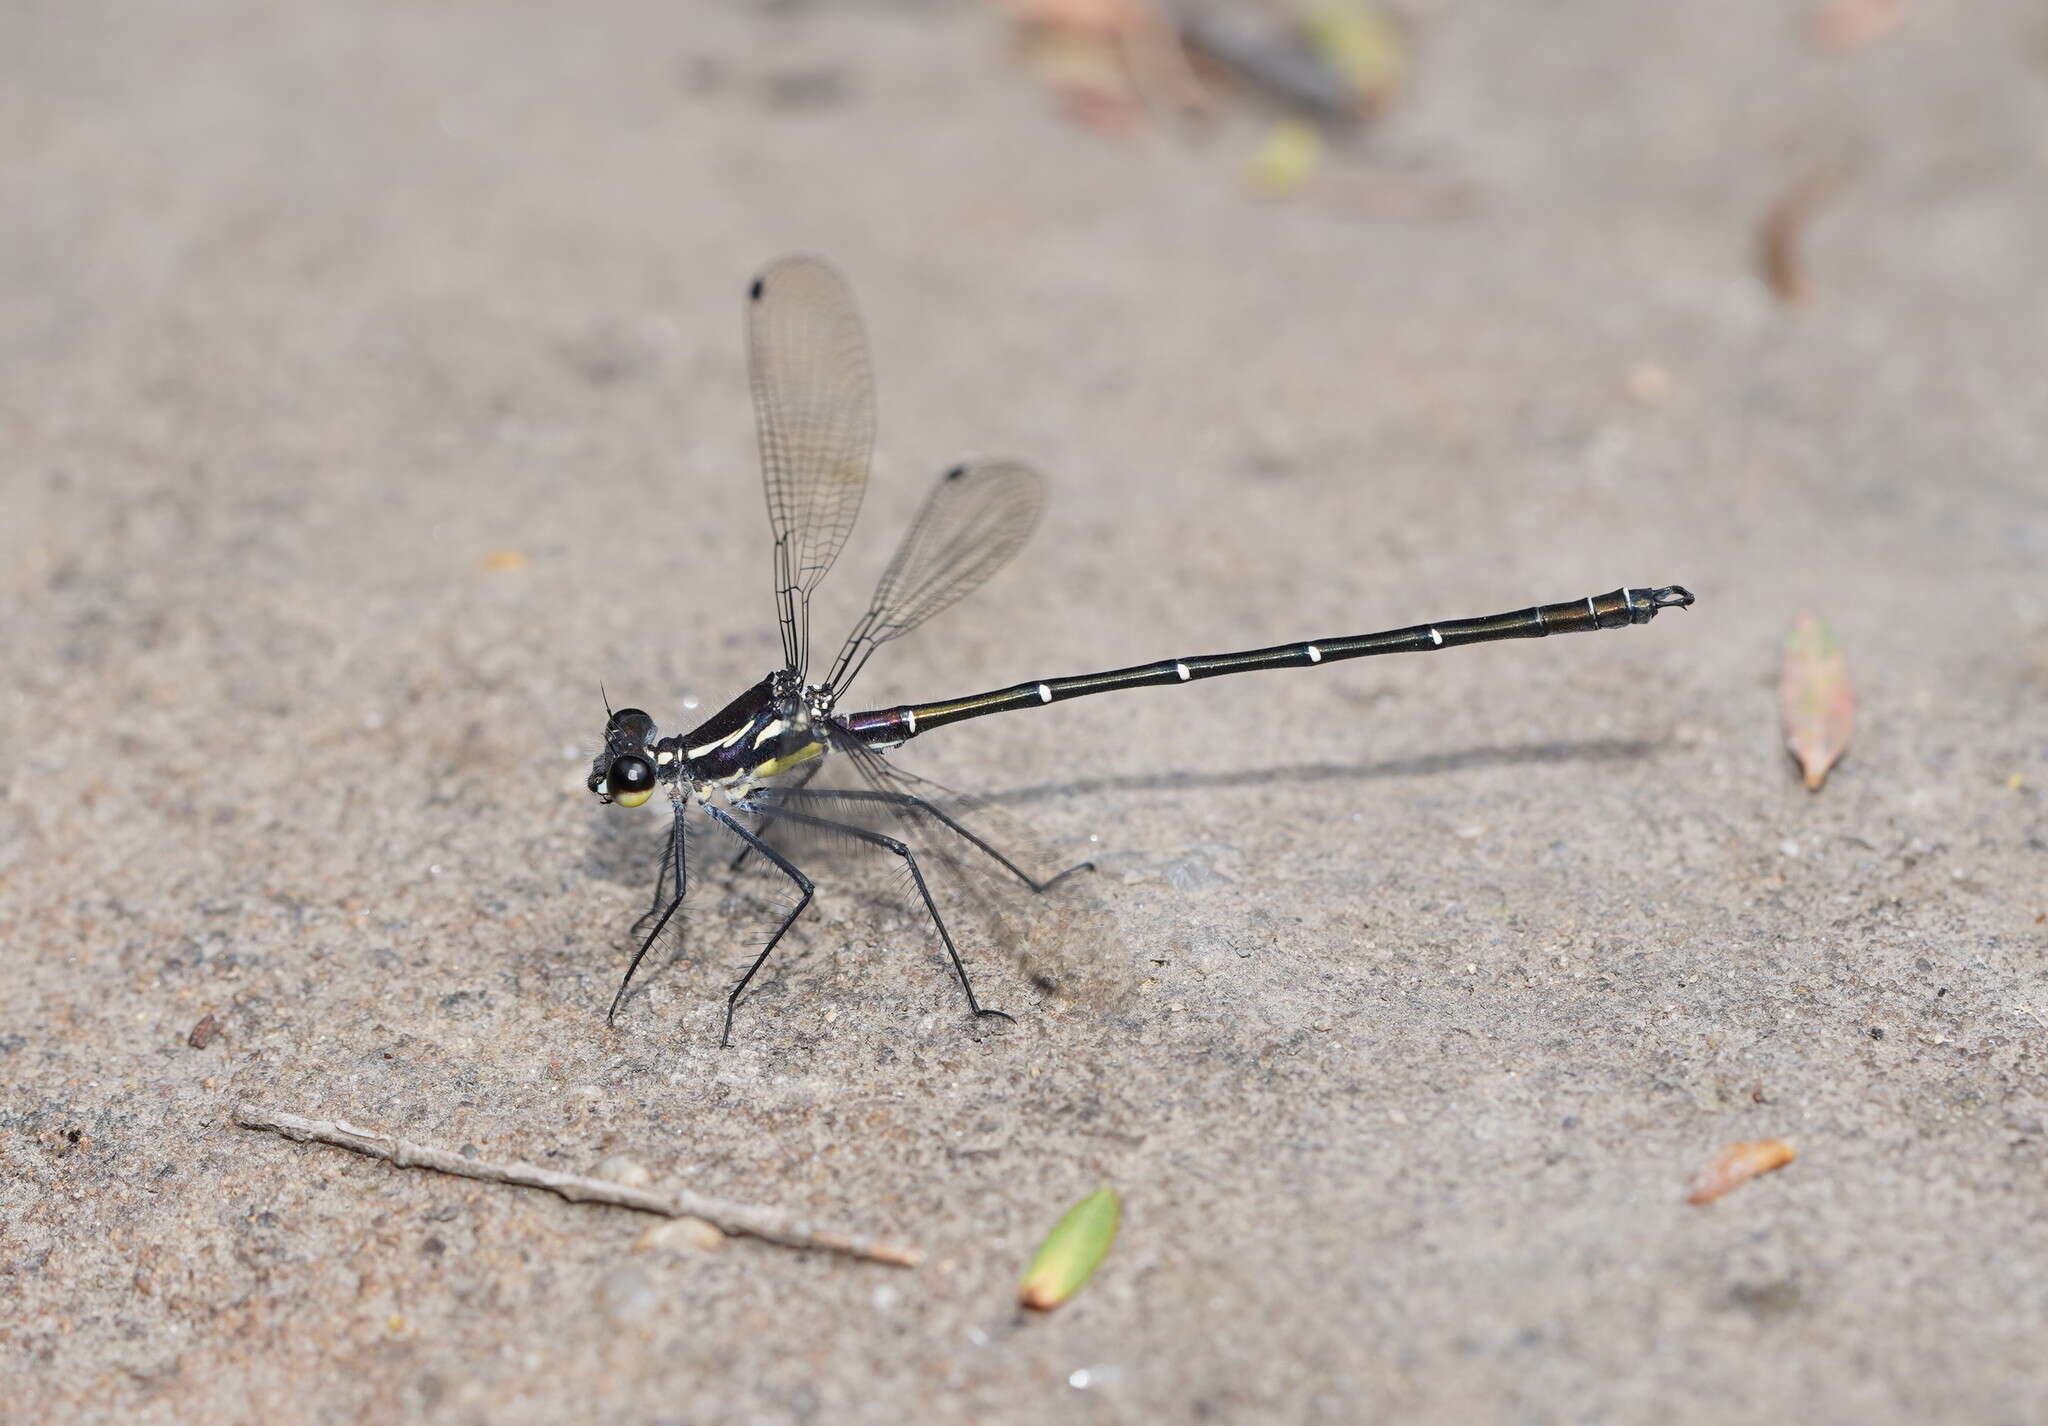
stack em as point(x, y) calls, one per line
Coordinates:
point(1784, 226)
point(768, 1224)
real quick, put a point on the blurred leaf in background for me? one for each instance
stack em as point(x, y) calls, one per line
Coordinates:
point(1815, 699)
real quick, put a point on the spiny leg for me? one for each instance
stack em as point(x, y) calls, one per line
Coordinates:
point(803, 780)
point(918, 804)
point(789, 870)
point(890, 844)
point(672, 857)
point(662, 895)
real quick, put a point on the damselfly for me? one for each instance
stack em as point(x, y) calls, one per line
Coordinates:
point(753, 767)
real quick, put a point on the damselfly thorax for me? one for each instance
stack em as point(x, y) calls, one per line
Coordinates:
point(742, 750)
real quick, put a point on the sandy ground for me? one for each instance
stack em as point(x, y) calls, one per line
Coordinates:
point(1439, 977)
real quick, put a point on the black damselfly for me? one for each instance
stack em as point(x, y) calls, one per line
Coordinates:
point(753, 766)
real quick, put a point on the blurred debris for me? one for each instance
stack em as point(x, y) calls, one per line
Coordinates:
point(1164, 74)
point(1783, 227)
point(1736, 1165)
point(1816, 699)
point(1767, 1301)
point(1071, 1252)
point(1332, 59)
point(203, 1033)
point(1647, 384)
point(1244, 45)
point(1287, 159)
point(1842, 25)
point(1330, 64)
point(1087, 79)
point(507, 561)
point(1363, 42)
point(1107, 61)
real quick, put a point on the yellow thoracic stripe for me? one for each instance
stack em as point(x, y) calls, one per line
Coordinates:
point(787, 761)
point(745, 730)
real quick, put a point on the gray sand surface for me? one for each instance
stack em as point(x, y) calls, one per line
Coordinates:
point(1438, 978)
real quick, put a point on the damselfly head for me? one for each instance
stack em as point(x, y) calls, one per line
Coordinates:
point(624, 771)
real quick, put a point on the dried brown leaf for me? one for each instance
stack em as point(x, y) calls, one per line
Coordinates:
point(1816, 699)
point(1737, 1164)
point(1107, 60)
point(1784, 225)
point(1851, 24)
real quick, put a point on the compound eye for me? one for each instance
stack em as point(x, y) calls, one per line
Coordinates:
point(631, 781)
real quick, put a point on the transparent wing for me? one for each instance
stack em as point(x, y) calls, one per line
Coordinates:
point(975, 519)
point(814, 406)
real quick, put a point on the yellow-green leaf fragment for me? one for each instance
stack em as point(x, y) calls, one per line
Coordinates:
point(1286, 158)
point(1815, 699)
point(1072, 1251)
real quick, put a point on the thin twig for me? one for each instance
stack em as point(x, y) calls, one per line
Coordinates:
point(768, 1224)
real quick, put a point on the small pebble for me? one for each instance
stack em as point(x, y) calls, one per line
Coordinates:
point(680, 1235)
point(623, 1170)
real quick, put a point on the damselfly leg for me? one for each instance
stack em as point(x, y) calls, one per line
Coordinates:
point(805, 890)
point(924, 892)
point(669, 885)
